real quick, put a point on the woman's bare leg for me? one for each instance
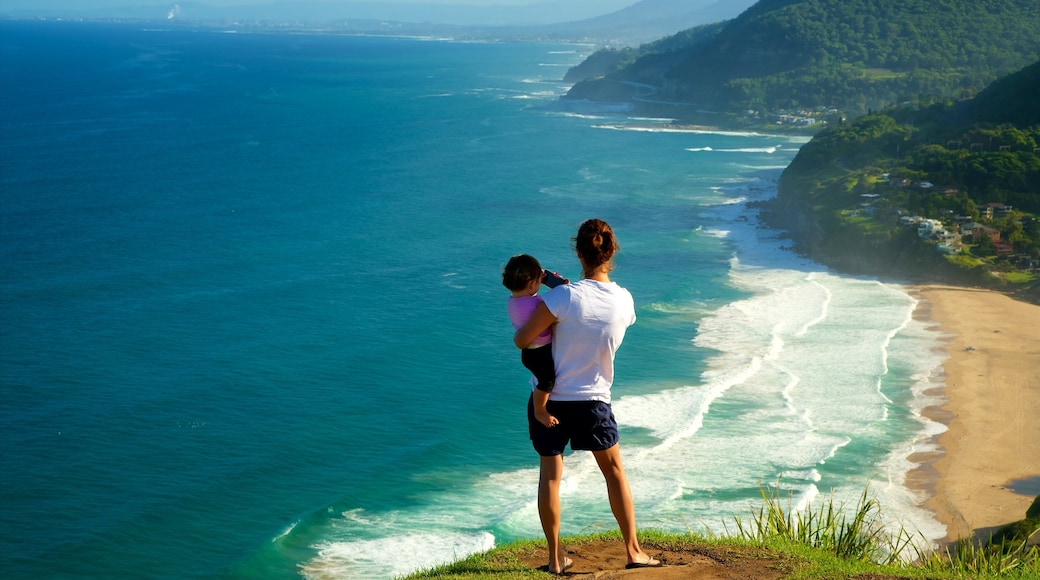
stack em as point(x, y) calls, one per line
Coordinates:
point(621, 502)
point(549, 476)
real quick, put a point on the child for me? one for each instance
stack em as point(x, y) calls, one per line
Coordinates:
point(522, 276)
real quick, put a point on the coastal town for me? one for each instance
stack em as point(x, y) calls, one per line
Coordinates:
point(975, 236)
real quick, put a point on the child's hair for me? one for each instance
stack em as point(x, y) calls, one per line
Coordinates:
point(595, 243)
point(519, 272)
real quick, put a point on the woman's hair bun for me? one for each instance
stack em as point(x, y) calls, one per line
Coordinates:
point(595, 243)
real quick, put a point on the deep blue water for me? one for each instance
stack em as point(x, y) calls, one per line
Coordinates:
point(252, 325)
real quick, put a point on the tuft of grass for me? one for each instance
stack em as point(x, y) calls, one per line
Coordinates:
point(1006, 559)
point(861, 537)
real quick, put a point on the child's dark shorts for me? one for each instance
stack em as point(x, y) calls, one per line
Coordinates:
point(586, 425)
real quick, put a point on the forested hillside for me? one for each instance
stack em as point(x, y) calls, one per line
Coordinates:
point(853, 55)
point(855, 195)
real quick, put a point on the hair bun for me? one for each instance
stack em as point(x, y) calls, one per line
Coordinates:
point(595, 243)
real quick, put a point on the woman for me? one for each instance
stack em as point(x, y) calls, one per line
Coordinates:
point(591, 317)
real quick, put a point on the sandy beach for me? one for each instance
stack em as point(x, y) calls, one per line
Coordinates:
point(987, 471)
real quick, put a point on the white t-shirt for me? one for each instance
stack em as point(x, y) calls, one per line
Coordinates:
point(592, 318)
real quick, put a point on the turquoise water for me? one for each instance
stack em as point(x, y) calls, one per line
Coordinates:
point(253, 326)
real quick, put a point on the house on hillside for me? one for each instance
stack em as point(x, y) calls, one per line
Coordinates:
point(1003, 247)
point(867, 203)
point(994, 209)
point(968, 229)
point(975, 231)
point(929, 228)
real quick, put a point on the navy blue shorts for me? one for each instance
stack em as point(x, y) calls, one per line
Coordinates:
point(586, 425)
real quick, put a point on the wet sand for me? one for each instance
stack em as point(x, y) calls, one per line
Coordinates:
point(987, 471)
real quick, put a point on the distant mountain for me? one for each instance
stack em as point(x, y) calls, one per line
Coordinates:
point(851, 54)
point(671, 13)
point(650, 20)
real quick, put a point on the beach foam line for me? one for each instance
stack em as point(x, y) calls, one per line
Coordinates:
point(392, 556)
point(773, 149)
point(696, 130)
point(678, 414)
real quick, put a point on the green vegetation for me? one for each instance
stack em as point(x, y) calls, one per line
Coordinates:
point(860, 538)
point(824, 542)
point(826, 56)
point(853, 197)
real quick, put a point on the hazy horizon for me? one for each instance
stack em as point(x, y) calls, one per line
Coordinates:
point(443, 11)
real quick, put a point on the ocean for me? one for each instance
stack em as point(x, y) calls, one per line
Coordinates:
point(252, 322)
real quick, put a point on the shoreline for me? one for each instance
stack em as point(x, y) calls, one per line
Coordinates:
point(986, 470)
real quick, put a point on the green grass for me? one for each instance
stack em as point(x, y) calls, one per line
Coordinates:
point(830, 541)
point(859, 537)
point(1020, 277)
point(965, 260)
point(878, 74)
point(870, 226)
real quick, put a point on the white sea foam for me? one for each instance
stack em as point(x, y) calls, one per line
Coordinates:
point(733, 201)
point(773, 149)
point(760, 167)
point(540, 95)
point(715, 233)
point(392, 556)
point(651, 127)
point(629, 126)
point(677, 308)
point(581, 115)
point(652, 119)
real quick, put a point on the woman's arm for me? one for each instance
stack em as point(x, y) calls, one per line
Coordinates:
point(539, 320)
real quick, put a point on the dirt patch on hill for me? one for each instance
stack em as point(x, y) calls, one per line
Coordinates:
point(605, 560)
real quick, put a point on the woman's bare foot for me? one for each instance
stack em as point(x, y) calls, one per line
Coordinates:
point(649, 562)
point(567, 563)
